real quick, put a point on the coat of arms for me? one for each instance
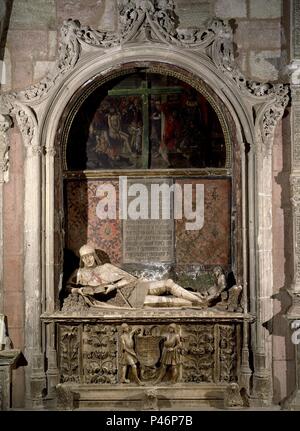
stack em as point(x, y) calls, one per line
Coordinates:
point(148, 349)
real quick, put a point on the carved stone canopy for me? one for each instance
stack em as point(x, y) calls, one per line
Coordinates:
point(151, 22)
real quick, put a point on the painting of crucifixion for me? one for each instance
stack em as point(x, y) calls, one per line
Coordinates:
point(146, 122)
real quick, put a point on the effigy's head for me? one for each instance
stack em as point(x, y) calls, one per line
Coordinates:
point(87, 255)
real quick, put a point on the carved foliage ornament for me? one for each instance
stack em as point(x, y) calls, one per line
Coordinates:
point(24, 115)
point(99, 354)
point(150, 354)
point(5, 124)
point(295, 192)
point(155, 21)
point(295, 200)
point(69, 356)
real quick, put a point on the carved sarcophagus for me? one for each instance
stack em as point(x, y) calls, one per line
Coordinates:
point(107, 359)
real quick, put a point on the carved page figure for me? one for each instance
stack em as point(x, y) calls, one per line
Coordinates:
point(128, 356)
point(171, 354)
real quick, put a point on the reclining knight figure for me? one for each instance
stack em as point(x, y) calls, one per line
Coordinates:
point(100, 280)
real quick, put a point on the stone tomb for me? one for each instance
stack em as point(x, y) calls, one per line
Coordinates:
point(89, 346)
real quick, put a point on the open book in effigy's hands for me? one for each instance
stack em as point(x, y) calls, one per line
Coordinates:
point(102, 288)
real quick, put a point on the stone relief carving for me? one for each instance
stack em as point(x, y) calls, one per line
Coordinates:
point(99, 354)
point(227, 352)
point(231, 300)
point(159, 22)
point(233, 398)
point(154, 354)
point(295, 200)
point(69, 356)
point(65, 397)
point(148, 352)
point(274, 113)
point(151, 21)
point(295, 192)
point(74, 303)
point(199, 346)
point(24, 115)
point(150, 400)
point(5, 124)
point(294, 69)
point(171, 356)
point(296, 28)
point(296, 126)
point(128, 357)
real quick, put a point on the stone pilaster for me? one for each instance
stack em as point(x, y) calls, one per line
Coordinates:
point(262, 378)
point(35, 376)
point(50, 290)
point(5, 124)
point(266, 122)
point(293, 402)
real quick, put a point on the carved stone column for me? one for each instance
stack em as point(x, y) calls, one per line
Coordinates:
point(50, 290)
point(266, 122)
point(262, 380)
point(5, 124)
point(35, 377)
point(246, 371)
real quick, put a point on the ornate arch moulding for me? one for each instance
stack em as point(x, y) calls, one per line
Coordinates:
point(147, 32)
point(148, 24)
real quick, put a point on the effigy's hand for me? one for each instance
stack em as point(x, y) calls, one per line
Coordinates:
point(74, 290)
point(110, 288)
point(87, 290)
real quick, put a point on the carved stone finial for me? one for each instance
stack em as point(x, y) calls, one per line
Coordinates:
point(5, 124)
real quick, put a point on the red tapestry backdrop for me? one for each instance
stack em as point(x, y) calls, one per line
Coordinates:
point(208, 246)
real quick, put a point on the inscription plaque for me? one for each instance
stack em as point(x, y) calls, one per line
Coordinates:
point(149, 241)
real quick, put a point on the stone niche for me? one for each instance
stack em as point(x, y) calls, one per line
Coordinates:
point(173, 133)
point(170, 131)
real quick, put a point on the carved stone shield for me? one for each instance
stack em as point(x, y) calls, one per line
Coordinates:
point(147, 349)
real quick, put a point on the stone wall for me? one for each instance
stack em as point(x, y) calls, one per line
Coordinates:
point(261, 42)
